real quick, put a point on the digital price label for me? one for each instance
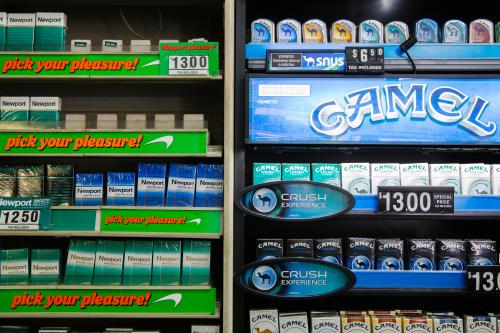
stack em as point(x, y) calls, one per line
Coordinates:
point(416, 199)
point(483, 279)
point(364, 59)
point(24, 213)
point(188, 65)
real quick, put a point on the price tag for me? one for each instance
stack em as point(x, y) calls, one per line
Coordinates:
point(188, 65)
point(24, 213)
point(483, 279)
point(416, 199)
point(365, 59)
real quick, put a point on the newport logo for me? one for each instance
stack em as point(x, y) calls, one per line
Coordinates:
point(444, 105)
point(264, 278)
point(167, 140)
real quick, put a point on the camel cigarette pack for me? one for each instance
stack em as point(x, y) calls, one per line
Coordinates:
point(209, 185)
point(295, 322)
point(302, 248)
point(7, 181)
point(151, 184)
point(296, 171)
point(455, 31)
point(414, 174)
point(329, 249)
point(495, 179)
point(262, 31)
point(80, 262)
point(137, 262)
point(325, 322)
point(109, 262)
point(371, 32)
point(314, 31)
point(480, 324)
point(326, 173)
point(3, 30)
point(14, 108)
point(481, 31)
point(356, 177)
point(181, 185)
point(417, 325)
point(20, 32)
point(266, 172)
point(289, 31)
point(14, 266)
point(50, 31)
point(386, 324)
point(482, 252)
point(269, 249)
point(452, 254)
point(355, 324)
point(427, 31)
point(88, 189)
point(360, 253)
point(264, 321)
point(421, 255)
point(45, 266)
point(396, 32)
point(121, 189)
point(446, 175)
point(389, 254)
point(167, 259)
point(195, 262)
point(450, 324)
point(475, 179)
point(343, 32)
point(384, 174)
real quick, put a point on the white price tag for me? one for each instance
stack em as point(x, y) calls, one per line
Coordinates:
point(20, 219)
point(188, 65)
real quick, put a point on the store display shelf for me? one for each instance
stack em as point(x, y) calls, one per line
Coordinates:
point(428, 57)
point(415, 280)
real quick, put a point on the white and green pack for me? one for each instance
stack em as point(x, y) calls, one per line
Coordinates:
point(476, 179)
point(14, 108)
point(3, 30)
point(195, 262)
point(326, 173)
point(167, 256)
point(20, 32)
point(495, 179)
point(414, 174)
point(80, 261)
point(296, 171)
point(356, 177)
point(266, 172)
point(108, 262)
point(14, 266)
point(45, 111)
point(446, 175)
point(50, 31)
point(384, 174)
point(45, 266)
point(138, 262)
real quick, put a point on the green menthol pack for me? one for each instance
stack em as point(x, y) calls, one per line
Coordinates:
point(60, 184)
point(80, 262)
point(108, 262)
point(296, 171)
point(20, 32)
point(45, 266)
point(326, 173)
point(3, 30)
point(8, 176)
point(138, 262)
point(497, 32)
point(30, 181)
point(166, 262)
point(45, 112)
point(14, 266)
point(266, 172)
point(50, 31)
point(14, 108)
point(195, 262)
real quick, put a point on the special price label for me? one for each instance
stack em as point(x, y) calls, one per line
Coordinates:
point(415, 199)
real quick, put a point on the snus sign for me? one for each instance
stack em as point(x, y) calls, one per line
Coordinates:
point(294, 201)
point(294, 278)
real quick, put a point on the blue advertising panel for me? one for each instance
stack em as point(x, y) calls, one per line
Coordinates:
point(423, 111)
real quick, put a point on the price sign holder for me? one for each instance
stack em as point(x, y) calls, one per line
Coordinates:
point(364, 60)
point(189, 59)
point(24, 213)
point(416, 199)
point(305, 61)
point(483, 279)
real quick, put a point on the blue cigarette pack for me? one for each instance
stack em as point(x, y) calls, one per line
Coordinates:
point(121, 189)
point(181, 185)
point(151, 184)
point(88, 189)
point(209, 185)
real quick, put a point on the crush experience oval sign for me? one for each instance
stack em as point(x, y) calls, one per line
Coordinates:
point(294, 200)
point(294, 278)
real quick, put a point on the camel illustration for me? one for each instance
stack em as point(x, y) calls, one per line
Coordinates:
point(360, 264)
point(362, 190)
point(452, 266)
point(264, 331)
point(422, 265)
point(390, 265)
point(453, 31)
point(342, 32)
point(264, 278)
point(309, 60)
point(312, 32)
point(479, 30)
point(261, 31)
point(369, 31)
point(426, 31)
point(394, 33)
point(264, 200)
point(286, 31)
point(480, 192)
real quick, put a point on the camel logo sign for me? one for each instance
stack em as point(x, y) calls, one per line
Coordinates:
point(306, 61)
point(295, 278)
point(294, 201)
